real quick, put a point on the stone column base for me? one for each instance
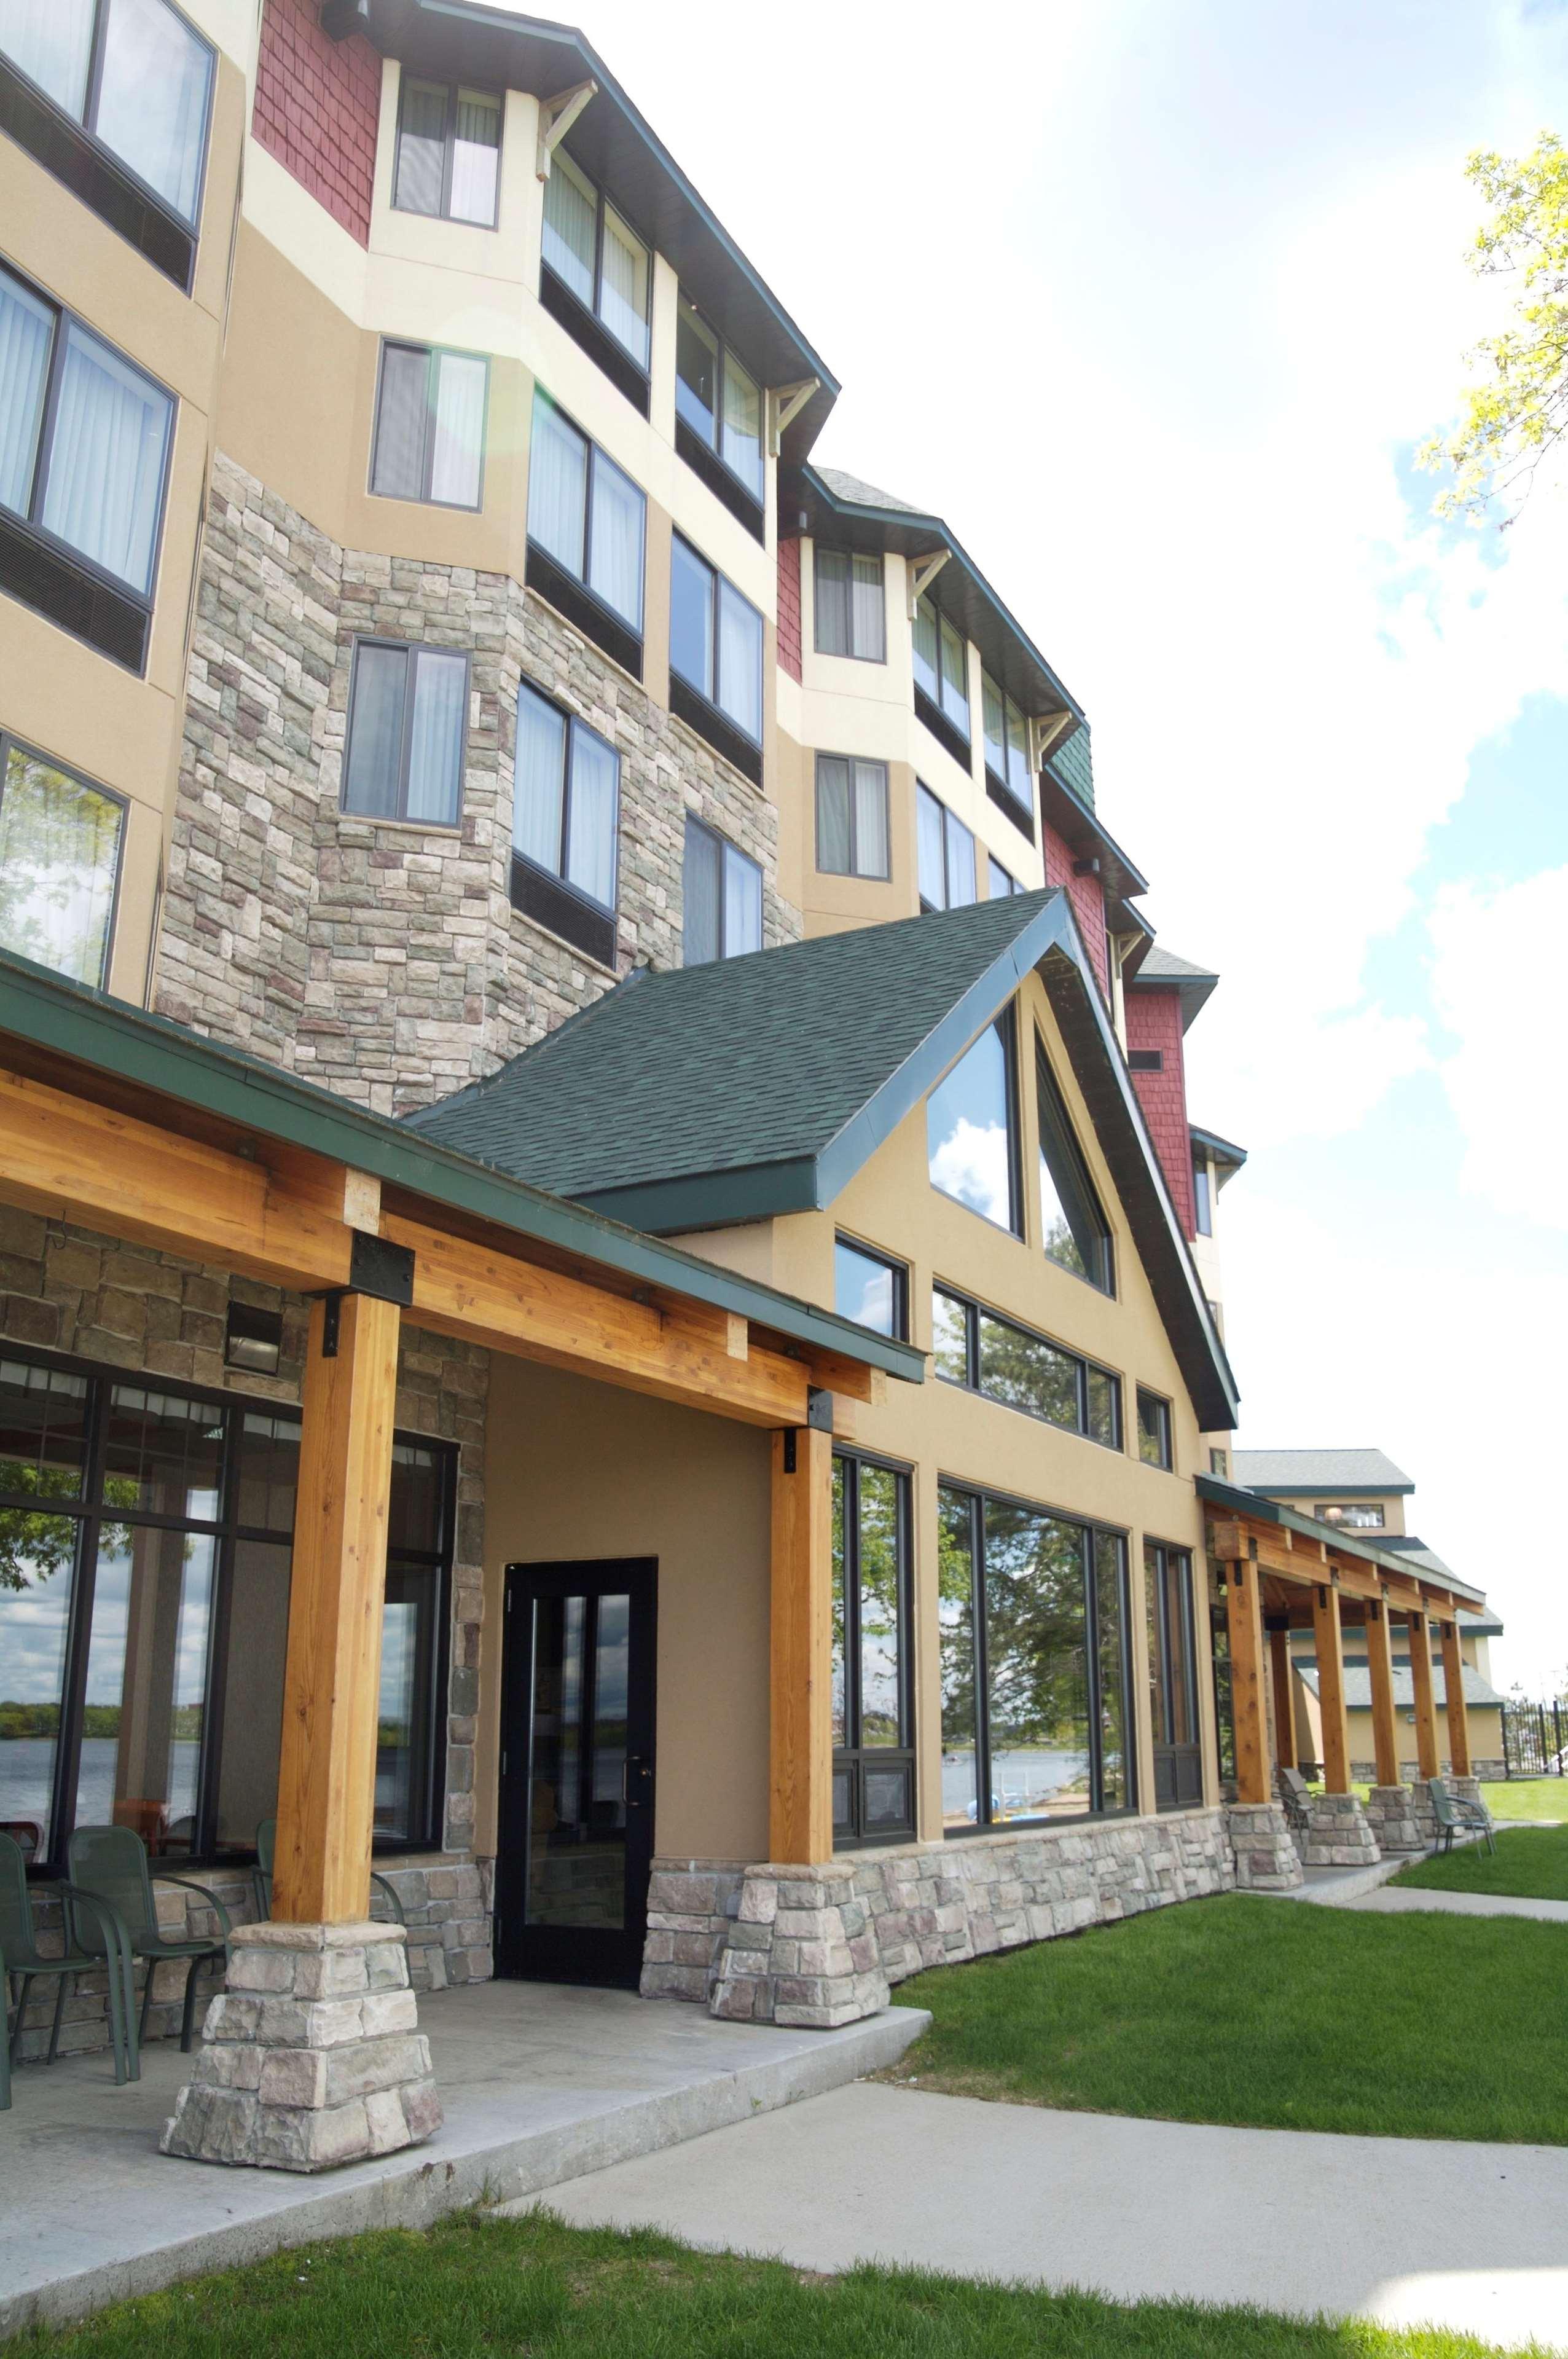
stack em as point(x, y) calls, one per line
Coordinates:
point(1266, 1858)
point(311, 2053)
point(1338, 1834)
point(1468, 1788)
point(1390, 1813)
point(1421, 1811)
point(800, 1950)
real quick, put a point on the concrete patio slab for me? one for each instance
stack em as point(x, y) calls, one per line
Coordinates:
point(1336, 1887)
point(539, 2083)
point(1458, 1903)
point(1402, 2231)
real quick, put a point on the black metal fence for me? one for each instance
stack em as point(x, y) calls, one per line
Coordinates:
point(1535, 1739)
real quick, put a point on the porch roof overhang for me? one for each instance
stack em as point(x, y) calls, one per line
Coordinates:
point(126, 1123)
point(1302, 1555)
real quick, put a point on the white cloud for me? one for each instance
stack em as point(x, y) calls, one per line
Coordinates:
point(1496, 980)
point(973, 1163)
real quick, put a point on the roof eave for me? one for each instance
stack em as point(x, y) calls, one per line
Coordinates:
point(1243, 1502)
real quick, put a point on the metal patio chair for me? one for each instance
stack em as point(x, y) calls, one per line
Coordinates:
point(261, 1878)
point(4, 2045)
point(26, 1962)
point(1295, 1796)
point(1456, 1814)
point(110, 1863)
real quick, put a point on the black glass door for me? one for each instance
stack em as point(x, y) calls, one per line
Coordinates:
point(1172, 1678)
point(576, 1799)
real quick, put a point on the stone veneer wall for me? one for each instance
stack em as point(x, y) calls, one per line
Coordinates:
point(147, 1313)
point(383, 960)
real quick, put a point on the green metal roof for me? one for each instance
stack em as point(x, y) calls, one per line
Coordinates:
point(108, 1034)
point(759, 1086)
point(1240, 1501)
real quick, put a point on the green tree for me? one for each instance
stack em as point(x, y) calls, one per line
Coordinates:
point(1517, 410)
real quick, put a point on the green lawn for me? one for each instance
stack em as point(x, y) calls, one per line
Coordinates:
point(1527, 1798)
point(1531, 1861)
point(1275, 2013)
point(533, 2288)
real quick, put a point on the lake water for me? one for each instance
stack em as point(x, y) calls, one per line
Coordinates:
point(26, 1777)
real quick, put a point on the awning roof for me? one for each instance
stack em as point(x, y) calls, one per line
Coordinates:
point(1244, 1505)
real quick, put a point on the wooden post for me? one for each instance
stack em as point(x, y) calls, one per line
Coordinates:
point(1284, 1698)
point(799, 1815)
point(1331, 1689)
point(326, 1776)
point(1453, 1701)
point(1421, 1688)
point(1385, 1719)
point(1245, 1619)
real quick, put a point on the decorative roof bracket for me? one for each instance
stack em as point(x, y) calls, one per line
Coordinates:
point(787, 401)
point(557, 117)
point(923, 571)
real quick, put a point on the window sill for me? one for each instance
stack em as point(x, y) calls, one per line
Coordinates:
point(47, 578)
point(1008, 803)
point(450, 829)
point(689, 705)
point(726, 487)
point(950, 739)
point(585, 612)
point(580, 325)
point(76, 160)
point(553, 905)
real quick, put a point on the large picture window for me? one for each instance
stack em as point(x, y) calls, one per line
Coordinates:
point(945, 852)
point(1011, 1364)
point(851, 606)
point(715, 648)
point(717, 401)
point(971, 1132)
point(146, 1538)
point(852, 817)
point(1073, 1229)
point(448, 151)
point(408, 718)
point(430, 425)
point(1032, 1612)
point(591, 251)
point(589, 518)
point(565, 809)
point(722, 892)
point(1172, 1677)
point(60, 865)
point(871, 1288)
point(133, 73)
point(874, 1768)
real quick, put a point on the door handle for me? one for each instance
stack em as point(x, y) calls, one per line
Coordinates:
point(633, 1761)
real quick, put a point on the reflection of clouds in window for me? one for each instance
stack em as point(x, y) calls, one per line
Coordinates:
point(867, 1293)
point(969, 1130)
point(971, 1163)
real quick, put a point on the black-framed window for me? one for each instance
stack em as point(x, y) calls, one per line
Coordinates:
point(565, 814)
point(972, 1129)
point(719, 402)
point(999, 882)
point(1203, 1199)
point(135, 75)
point(590, 520)
point(851, 605)
point(1172, 1677)
point(1154, 1439)
point(85, 438)
point(60, 839)
point(1006, 735)
point(871, 1288)
point(715, 650)
point(592, 250)
point(873, 1716)
point(1355, 1515)
point(1146, 1060)
point(722, 898)
point(1032, 1631)
point(945, 855)
point(942, 665)
point(408, 723)
point(987, 1353)
point(1074, 1231)
point(430, 425)
point(146, 1542)
point(852, 817)
point(448, 151)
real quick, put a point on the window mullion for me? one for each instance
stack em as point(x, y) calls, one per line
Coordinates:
point(590, 470)
point(1092, 1674)
point(982, 1662)
point(449, 150)
point(406, 741)
point(45, 422)
point(204, 1833)
point(433, 407)
point(567, 749)
point(96, 66)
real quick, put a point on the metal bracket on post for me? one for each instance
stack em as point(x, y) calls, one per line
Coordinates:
point(557, 117)
point(376, 1267)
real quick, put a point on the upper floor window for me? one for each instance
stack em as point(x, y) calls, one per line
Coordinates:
point(59, 862)
point(1203, 1199)
point(1011, 1364)
point(1074, 1231)
point(84, 439)
point(971, 1131)
point(585, 514)
point(1219, 1463)
point(594, 253)
point(1000, 881)
point(941, 665)
point(408, 716)
point(430, 425)
point(718, 399)
point(133, 73)
point(715, 646)
point(946, 851)
point(850, 608)
point(870, 1288)
point(566, 795)
point(722, 894)
point(1357, 1515)
point(852, 817)
point(1153, 1429)
point(448, 151)
point(1007, 745)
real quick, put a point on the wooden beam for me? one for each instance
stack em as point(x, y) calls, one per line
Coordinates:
point(1331, 1689)
point(332, 1683)
point(1454, 1701)
point(1284, 1679)
point(799, 1814)
point(1385, 1719)
point(1421, 1688)
point(1245, 1619)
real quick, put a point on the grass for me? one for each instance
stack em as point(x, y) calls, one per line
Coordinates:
point(1531, 1862)
point(1527, 1798)
point(1267, 2013)
point(533, 2288)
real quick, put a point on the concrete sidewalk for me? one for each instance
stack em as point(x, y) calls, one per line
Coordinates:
point(1396, 1902)
point(1402, 2231)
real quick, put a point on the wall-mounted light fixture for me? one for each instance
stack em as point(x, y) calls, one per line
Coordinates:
point(253, 1339)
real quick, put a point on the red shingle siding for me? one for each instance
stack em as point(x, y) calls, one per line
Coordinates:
point(1087, 896)
point(1154, 1021)
point(316, 106)
point(789, 607)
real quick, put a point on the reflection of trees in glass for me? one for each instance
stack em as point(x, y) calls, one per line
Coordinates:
point(1024, 1373)
point(1060, 1245)
point(35, 1545)
point(59, 846)
point(838, 1628)
point(1108, 1592)
point(956, 1619)
point(879, 1714)
point(1036, 1632)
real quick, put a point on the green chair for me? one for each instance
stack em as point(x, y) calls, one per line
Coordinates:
point(18, 1942)
point(1456, 1814)
point(261, 1876)
point(110, 1865)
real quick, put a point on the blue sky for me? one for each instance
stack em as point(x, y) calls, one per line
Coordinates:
point(1153, 301)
